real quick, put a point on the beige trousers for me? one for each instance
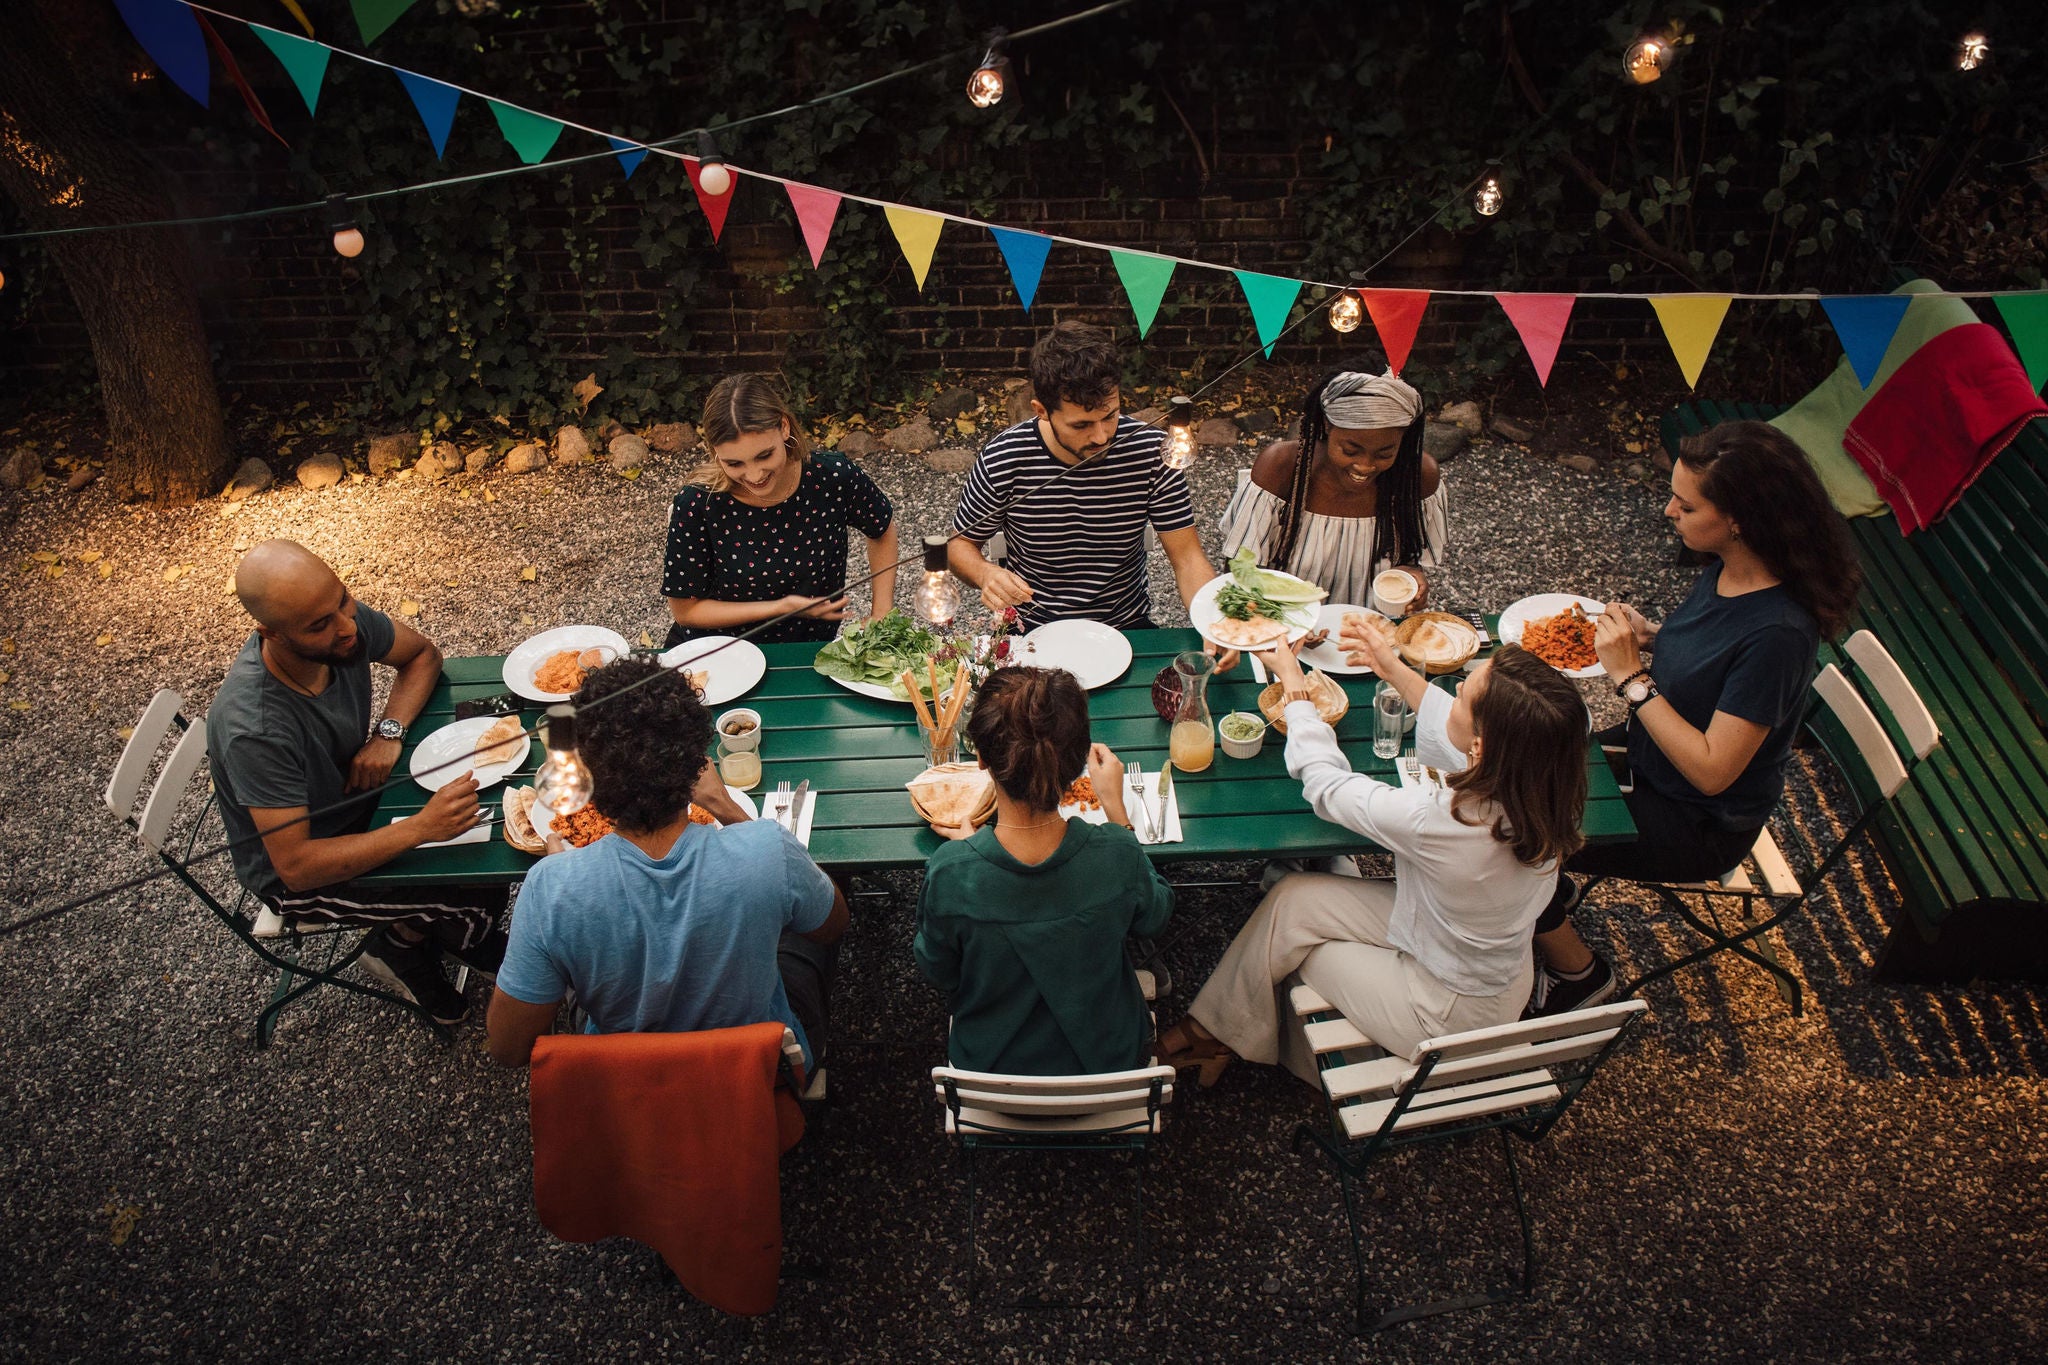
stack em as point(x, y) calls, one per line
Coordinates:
point(1333, 931)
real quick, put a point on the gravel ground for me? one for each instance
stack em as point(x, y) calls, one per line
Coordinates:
point(1862, 1183)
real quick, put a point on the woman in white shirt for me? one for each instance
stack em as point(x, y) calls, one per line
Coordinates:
point(1446, 946)
point(1354, 495)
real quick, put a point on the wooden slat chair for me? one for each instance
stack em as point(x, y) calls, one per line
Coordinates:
point(306, 957)
point(1113, 1111)
point(1516, 1079)
point(1862, 749)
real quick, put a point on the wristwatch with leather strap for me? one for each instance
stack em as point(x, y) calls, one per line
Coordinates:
point(1637, 689)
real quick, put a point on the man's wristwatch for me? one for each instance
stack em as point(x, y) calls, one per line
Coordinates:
point(388, 728)
point(1637, 688)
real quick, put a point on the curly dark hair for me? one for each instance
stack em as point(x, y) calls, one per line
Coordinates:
point(646, 748)
point(1397, 526)
point(1760, 479)
point(1030, 726)
point(1075, 363)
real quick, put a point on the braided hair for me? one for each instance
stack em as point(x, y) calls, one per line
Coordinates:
point(1397, 518)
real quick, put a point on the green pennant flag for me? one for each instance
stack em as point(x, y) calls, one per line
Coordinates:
point(531, 135)
point(2026, 317)
point(1271, 298)
point(1145, 279)
point(304, 60)
point(374, 16)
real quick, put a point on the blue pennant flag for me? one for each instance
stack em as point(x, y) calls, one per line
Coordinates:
point(1865, 323)
point(1025, 253)
point(631, 154)
point(436, 103)
point(169, 33)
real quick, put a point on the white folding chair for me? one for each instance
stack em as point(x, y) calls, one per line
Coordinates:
point(286, 946)
point(1516, 1078)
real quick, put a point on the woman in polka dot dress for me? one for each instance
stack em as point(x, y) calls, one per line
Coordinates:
point(761, 528)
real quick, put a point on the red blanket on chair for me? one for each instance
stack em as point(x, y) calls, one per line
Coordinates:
point(1927, 434)
point(674, 1140)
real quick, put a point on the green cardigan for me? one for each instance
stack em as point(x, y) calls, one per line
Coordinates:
point(1032, 958)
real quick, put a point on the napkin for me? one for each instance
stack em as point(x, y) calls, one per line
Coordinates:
point(1414, 774)
point(771, 807)
point(478, 833)
point(1173, 831)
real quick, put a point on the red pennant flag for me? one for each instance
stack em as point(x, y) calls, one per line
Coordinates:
point(715, 206)
point(1540, 320)
point(1397, 317)
point(227, 60)
point(815, 210)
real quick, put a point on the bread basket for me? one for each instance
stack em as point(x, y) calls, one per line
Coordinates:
point(1331, 703)
point(1438, 661)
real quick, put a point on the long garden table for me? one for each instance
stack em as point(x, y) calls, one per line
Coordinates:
point(858, 753)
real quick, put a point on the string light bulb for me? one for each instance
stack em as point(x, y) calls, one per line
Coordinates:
point(1488, 198)
point(348, 238)
point(1346, 312)
point(937, 599)
point(1973, 52)
point(712, 176)
point(985, 87)
point(1180, 433)
point(3, 279)
point(563, 783)
point(1646, 59)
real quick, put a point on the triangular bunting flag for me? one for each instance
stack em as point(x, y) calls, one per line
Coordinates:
point(436, 103)
point(303, 60)
point(2026, 317)
point(531, 135)
point(917, 233)
point(1397, 317)
point(241, 82)
point(374, 16)
point(815, 210)
point(715, 206)
point(1539, 320)
point(1144, 279)
point(298, 14)
point(631, 154)
point(169, 33)
point(1271, 298)
point(1691, 322)
point(1024, 253)
point(1865, 323)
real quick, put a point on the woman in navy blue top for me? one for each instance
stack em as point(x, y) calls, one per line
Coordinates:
point(1712, 718)
point(761, 530)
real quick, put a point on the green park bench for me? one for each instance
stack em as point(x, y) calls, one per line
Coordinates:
point(1963, 606)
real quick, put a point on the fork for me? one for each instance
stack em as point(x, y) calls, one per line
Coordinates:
point(782, 804)
point(1137, 774)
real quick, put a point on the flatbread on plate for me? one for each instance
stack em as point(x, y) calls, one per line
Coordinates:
point(1252, 633)
point(499, 743)
point(954, 794)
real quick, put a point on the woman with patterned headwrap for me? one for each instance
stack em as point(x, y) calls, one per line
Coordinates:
point(1354, 495)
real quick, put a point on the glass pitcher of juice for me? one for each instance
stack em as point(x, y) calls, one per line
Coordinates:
point(1192, 745)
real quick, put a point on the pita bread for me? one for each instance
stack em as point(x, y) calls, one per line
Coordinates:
point(1358, 621)
point(954, 794)
point(1248, 634)
point(1437, 642)
point(500, 743)
point(1331, 703)
point(519, 830)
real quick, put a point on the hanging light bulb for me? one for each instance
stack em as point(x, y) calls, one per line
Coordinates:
point(937, 599)
point(985, 87)
point(1646, 59)
point(712, 176)
point(563, 783)
point(348, 238)
point(1487, 199)
point(1346, 312)
point(1180, 434)
point(3, 279)
point(1973, 52)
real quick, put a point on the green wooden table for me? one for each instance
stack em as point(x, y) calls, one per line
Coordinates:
point(858, 753)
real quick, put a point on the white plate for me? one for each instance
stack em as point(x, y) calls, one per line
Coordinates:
point(544, 819)
point(1094, 653)
point(521, 662)
point(1536, 608)
point(1326, 655)
point(734, 669)
point(1204, 613)
point(452, 744)
point(879, 691)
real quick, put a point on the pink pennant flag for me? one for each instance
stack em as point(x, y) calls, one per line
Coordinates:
point(1397, 317)
point(1540, 320)
point(815, 210)
point(715, 206)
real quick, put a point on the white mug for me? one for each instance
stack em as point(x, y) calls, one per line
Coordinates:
point(1393, 590)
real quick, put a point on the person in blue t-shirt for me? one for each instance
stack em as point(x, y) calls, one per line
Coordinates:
point(665, 926)
point(1711, 722)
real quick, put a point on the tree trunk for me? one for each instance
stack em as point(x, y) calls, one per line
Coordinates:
point(64, 163)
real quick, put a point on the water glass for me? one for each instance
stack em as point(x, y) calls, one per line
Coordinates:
point(740, 768)
point(1389, 719)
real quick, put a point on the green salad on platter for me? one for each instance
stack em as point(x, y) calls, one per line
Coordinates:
point(879, 653)
point(1263, 592)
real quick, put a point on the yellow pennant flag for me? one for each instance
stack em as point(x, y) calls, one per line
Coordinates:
point(1691, 322)
point(917, 233)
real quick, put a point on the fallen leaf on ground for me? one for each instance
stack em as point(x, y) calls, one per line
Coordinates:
point(125, 1219)
point(646, 640)
point(105, 568)
point(44, 557)
point(529, 574)
point(451, 583)
point(408, 608)
point(5, 676)
point(586, 389)
point(19, 705)
point(90, 556)
point(965, 425)
point(176, 572)
point(629, 473)
point(1634, 447)
point(525, 618)
point(53, 570)
point(105, 637)
point(126, 732)
point(7, 645)
point(489, 496)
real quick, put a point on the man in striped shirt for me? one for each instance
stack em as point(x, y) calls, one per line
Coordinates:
point(1076, 546)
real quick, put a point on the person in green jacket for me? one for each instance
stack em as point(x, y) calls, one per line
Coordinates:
point(1022, 922)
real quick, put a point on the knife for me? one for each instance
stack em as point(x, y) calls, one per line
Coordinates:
point(1165, 795)
point(796, 807)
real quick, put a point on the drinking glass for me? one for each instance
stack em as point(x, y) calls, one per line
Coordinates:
point(943, 745)
point(1389, 718)
point(739, 768)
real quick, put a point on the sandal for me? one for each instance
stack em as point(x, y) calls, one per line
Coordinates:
point(1181, 1047)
